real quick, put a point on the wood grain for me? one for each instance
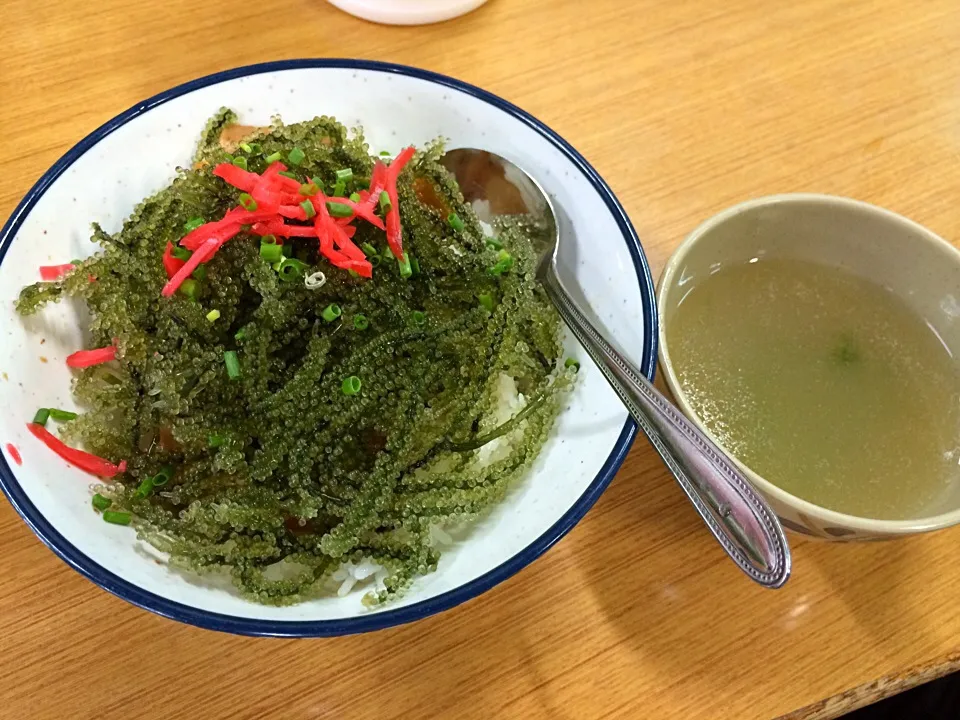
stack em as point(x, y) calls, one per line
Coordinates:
point(685, 107)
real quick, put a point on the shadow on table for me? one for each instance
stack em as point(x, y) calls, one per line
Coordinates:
point(482, 659)
point(691, 613)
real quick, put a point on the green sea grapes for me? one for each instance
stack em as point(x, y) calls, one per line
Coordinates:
point(279, 476)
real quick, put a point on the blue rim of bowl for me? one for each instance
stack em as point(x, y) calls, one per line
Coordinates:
point(386, 618)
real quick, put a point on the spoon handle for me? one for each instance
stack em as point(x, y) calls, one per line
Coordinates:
point(737, 515)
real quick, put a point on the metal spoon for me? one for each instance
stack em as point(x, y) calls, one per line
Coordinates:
point(737, 515)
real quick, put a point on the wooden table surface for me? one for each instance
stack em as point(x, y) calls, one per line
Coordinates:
point(685, 107)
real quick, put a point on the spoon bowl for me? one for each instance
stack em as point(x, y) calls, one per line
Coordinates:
point(734, 512)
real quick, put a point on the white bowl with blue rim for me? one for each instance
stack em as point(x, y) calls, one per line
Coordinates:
point(105, 175)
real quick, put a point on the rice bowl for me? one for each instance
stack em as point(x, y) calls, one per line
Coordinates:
point(592, 434)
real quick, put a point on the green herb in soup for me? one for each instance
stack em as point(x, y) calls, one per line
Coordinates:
point(822, 383)
point(306, 362)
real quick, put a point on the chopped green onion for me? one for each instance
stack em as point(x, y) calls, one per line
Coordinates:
point(571, 363)
point(287, 173)
point(317, 181)
point(180, 253)
point(385, 204)
point(248, 202)
point(189, 287)
point(291, 269)
point(193, 223)
point(233, 364)
point(42, 416)
point(339, 209)
point(145, 487)
point(405, 269)
point(101, 503)
point(331, 312)
point(268, 240)
point(418, 317)
point(254, 148)
point(368, 250)
point(486, 301)
point(386, 153)
point(200, 273)
point(455, 222)
point(61, 415)
point(115, 517)
point(360, 322)
point(339, 189)
point(355, 197)
point(76, 261)
point(240, 162)
point(374, 260)
point(271, 252)
point(272, 158)
point(241, 335)
point(494, 244)
point(309, 189)
point(504, 263)
point(213, 315)
point(344, 175)
point(414, 265)
point(163, 477)
point(216, 441)
point(351, 385)
point(245, 147)
point(295, 156)
point(308, 209)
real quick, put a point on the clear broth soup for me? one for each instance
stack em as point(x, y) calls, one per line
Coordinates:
point(824, 384)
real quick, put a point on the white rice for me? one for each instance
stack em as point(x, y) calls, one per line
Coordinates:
point(509, 403)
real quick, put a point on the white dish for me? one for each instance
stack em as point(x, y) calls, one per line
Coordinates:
point(136, 153)
point(407, 12)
